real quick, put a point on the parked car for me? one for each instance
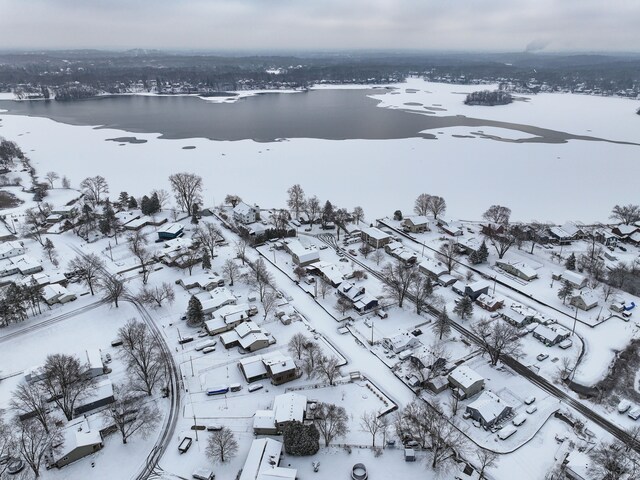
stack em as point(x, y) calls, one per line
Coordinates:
point(107, 358)
point(623, 406)
point(542, 357)
point(214, 427)
point(185, 444)
point(203, 474)
point(519, 420)
point(531, 409)
point(255, 387)
point(209, 349)
point(622, 248)
point(634, 413)
point(529, 400)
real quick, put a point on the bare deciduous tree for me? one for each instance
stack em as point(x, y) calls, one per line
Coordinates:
point(269, 302)
point(421, 205)
point(94, 188)
point(328, 368)
point(486, 459)
point(298, 344)
point(51, 177)
point(28, 400)
point(66, 381)
point(626, 214)
point(370, 423)
point(398, 278)
point(436, 206)
point(241, 249)
point(156, 295)
point(221, 445)
point(296, 200)
point(131, 413)
point(497, 338)
point(187, 188)
point(231, 270)
point(331, 421)
point(142, 353)
point(112, 287)
point(497, 214)
point(358, 215)
point(32, 443)
point(421, 290)
point(448, 254)
point(138, 242)
point(88, 267)
point(313, 209)
point(442, 324)
point(261, 278)
point(208, 235)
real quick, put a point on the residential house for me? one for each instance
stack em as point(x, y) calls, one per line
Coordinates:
point(101, 395)
point(607, 238)
point(469, 245)
point(203, 281)
point(565, 234)
point(551, 336)
point(489, 302)
point(11, 249)
point(406, 256)
point(376, 237)
point(247, 335)
point(289, 407)
point(356, 294)
point(41, 279)
point(145, 221)
point(432, 268)
point(519, 315)
point(79, 439)
point(57, 294)
point(276, 366)
point(227, 318)
point(263, 462)
point(302, 255)
point(330, 272)
point(575, 279)
point(416, 224)
point(518, 269)
point(624, 231)
point(475, 289)
point(466, 381)
point(95, 367)
point(489, 409)
point(423, 357)
point(585, 300)
point(400, 342)
point(264, 423)
point(215, 299)
point(459, 287)
point(246, 214)
point(453, 228)
point(170, 231)
point(65, 211)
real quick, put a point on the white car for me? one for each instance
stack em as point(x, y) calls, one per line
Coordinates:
point(623, 406)
point(532, 409)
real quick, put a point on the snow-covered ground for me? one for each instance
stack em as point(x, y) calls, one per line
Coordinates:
point(548, 173)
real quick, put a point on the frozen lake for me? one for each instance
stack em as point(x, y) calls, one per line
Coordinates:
point(480, 155)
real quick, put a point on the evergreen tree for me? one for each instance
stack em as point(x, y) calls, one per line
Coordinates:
point(565, 291)
point(206, 260)
point(300, 439)
point(144, 205)
point(443, 324)
point(123, 200)
point(154, 204)
point(474, 258)
point(50, 249)
point(195, 315)
point(464, 308)
point(109, 220)
point(570, 264)
point(132, 202)
point(327, 213)
point(483, 252)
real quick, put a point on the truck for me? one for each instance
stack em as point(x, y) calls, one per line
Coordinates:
point(506, 432)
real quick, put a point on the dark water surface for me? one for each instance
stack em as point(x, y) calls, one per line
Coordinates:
point(322, 114)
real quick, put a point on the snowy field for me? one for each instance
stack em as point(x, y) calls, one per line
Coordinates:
point(547, 173)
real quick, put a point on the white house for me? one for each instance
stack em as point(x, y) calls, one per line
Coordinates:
point(489, 409)
point(57, 294)
point(466, 380)
point(302, 255)
point(218, 299)
point(400, 342)
point(11, 249)
point(79, 439)
point(262, 462)
point(246, 214)
point(575, 279)
point(585, 300)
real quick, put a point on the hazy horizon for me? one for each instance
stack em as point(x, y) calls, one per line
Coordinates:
point(331, 26)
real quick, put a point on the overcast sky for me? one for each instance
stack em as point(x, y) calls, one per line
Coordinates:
point(494, 25)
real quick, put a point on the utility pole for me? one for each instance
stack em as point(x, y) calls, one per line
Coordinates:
point(575, 320)
point(191, 361)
